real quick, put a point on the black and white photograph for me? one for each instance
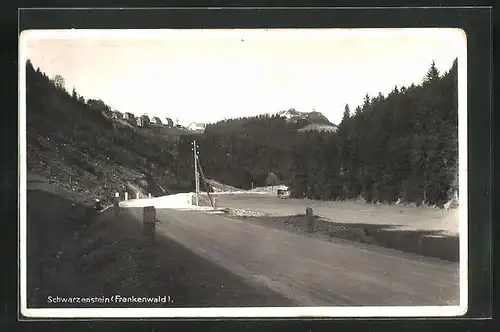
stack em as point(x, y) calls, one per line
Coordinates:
point(243, 173)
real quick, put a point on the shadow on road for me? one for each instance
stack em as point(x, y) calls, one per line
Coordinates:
point(52, 221)
point(72, 252)
point(191, 279)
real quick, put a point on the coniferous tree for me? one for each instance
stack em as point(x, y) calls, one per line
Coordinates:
point(347, 113)
point(59, 82)
point(432, 74)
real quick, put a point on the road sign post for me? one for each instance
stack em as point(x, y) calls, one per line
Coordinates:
point(310, 220)
point(116, 204)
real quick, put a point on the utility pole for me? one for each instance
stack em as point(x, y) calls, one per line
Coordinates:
point(196, 175)
point(205, 183)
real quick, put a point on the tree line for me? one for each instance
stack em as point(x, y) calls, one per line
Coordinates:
point(403, 146)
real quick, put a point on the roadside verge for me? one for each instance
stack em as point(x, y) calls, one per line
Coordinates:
point(425, 243)
point(76, 255)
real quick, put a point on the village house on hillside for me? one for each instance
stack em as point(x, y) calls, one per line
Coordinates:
point(107, 113)
point(117, 115)
point(128, 116)
point(196, 126)
point(143, 121)
point(169, 122)
point(156, 120)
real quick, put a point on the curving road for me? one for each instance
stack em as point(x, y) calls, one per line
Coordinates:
point(310, 271)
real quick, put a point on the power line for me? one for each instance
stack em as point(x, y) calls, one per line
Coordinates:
point(196, 175)
point(198, 170)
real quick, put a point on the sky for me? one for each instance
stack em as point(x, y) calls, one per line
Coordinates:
point(209, 75)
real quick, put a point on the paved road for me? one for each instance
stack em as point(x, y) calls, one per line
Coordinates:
point(311, 271)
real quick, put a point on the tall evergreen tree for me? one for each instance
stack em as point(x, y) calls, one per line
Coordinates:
point(347, 113)
point(432, 74)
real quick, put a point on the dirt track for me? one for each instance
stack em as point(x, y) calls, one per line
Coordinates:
point(310, 271)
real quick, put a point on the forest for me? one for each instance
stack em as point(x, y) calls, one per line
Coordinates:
point(403, 146)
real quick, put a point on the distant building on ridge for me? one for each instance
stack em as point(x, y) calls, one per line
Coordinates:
point(143, 121)
point(196, 126)
point(128, 116)
point(169, 122)
point(117, 115)
point(156, 120)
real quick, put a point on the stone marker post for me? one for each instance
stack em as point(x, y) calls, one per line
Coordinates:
point(311, 223)
point(149, 223)
point(126, 196)
point(136, 195)
point(116, 204)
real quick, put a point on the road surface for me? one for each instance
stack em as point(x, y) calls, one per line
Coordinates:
point(310, 271)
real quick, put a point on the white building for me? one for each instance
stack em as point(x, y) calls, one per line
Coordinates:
point(156, 120)
point(128, 116)
point(196, 126)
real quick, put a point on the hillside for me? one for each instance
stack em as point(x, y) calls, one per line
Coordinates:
point(241, 152)
point(73, 144)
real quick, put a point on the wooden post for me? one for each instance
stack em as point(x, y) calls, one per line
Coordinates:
point(311, 227)
point(136, 195)
point(149, 195)
point(149, 223)
point(126, 196)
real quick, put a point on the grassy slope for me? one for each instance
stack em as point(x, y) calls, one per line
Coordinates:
point(72, 144)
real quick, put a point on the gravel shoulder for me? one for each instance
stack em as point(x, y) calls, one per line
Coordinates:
point(396, 216)
point(425, 243)
point(424, 231)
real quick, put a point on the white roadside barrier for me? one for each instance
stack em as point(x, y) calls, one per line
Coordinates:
point(182, 201)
